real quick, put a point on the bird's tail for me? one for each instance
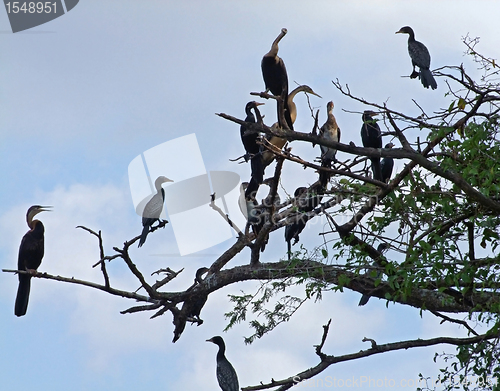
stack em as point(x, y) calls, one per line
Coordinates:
point(377, 173)
point(257, 166)
point(324, 176)
point(364, 299)
point(427, 79)
point(144, 235)
point(23, 294)
point(289, 248)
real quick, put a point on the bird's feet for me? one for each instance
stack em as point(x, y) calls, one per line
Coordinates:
point(414, 75)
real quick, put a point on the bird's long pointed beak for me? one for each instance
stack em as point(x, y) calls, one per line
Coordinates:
point(46, 208)
point(259, 104)
point(319, 96)
point(398, 32)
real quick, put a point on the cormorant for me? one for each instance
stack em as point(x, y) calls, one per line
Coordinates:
point(191, 307)
point(329, 131)
point(386, 166)
point(372, 138)
point(262, 216)
point(382, 247)
point(290, 116)
point(153, 208)
point(305, 201)
point(420, 57)
point(274, 72)
point(226, 375)
point(253, 149)
point(30, 256)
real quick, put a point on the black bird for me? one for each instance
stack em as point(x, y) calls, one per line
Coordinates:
point(274, 72)
point(382, 247)
point(290, 116)
point(387, 165)
point(372, 138)
point(30, 256)
point(305, 201)
point(329, 131)
point(199, 302)
point(262, 215)
point(420, 57)
point(153, 208)
point(191, 308)
point(253, 149)
point(226, 375)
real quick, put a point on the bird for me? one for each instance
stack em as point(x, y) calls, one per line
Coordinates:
point(226, 375)
point(420, 57)
point(191, 308)
point(386, 165)
point(382, 247)
point(372, 138)
point(274, 72)
point(305, 201)
point(30, 256)
point(330, 131)
point(290, 116)
point(262, 216)
point(153, 208)
point(252, 148)
point(198, 303)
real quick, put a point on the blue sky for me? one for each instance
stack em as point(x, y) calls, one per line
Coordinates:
point(85, 94)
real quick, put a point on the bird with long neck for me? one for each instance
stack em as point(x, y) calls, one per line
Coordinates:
point(372, 138)
point(330, 131)
point(226, 375)
point(30, 256)
point(290, 116)
point(420, 57)
point(252, 148)
point(274, 73)
point(153, 208)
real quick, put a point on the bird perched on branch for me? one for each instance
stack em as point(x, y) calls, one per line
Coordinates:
point(30, 256)
point(290, 116)
point(274, 73)
point(330, 131)
point(382, 247)
point(372, 138)
point(386, 165)
point(252, 148)
point(153, 208)
point(191, 308)
point(306, 200)
point(226, 375)
point(420, 57)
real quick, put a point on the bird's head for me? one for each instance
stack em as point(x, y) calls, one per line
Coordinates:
point(216, 340)
point(390, 145)
point(34, 210)
point(309, 90)
point(160, 180)
point(329, 106)
point(405, 30)
point(284, 31)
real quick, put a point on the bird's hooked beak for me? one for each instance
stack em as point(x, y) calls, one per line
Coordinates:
point(399, 31)
point(209, 340)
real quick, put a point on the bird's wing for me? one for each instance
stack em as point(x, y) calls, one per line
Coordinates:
point(154, 207)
